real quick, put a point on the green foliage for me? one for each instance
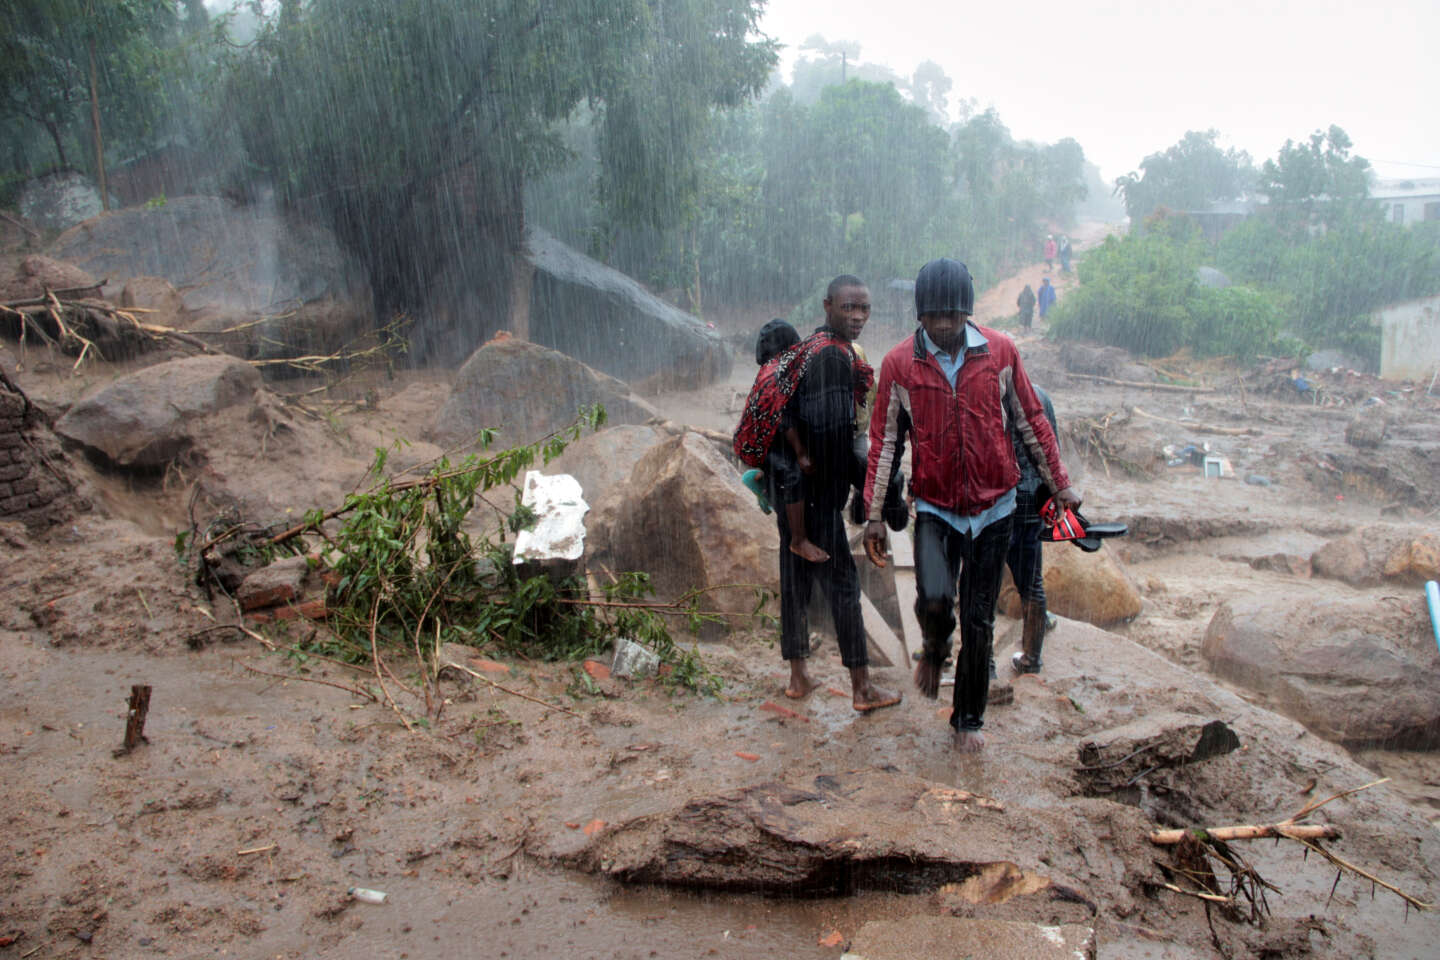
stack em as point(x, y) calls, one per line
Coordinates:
point(1316, 183)
point(411, 578)
point(1333, 281)
point(1188, 176)
point(1141, 293)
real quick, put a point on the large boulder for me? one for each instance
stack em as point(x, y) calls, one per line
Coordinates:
point(1093, 587)
point(231, 261)
point(686, 519)
point(607, 320)
point(1377, 554)
point(58, 201)
point(1359, 671)
point(1100, 361)
point(525, 391)
point(142, 420)
point(36, 274)
point(602, 462)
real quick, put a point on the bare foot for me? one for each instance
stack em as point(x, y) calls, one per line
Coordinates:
point(801, 685)
point(969, 741)
point(808, 551)
point(870, 697)
point(927, 679)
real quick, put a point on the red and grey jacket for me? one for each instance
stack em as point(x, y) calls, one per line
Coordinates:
point(962, 459)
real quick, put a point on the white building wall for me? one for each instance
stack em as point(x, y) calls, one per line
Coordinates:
point(1410, 339)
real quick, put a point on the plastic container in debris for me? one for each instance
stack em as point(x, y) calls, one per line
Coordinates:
point(633, 660)
point(366, 895)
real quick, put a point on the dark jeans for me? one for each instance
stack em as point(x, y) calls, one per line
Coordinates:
point(837, 576)
point(944, 556)
point(1024, 559)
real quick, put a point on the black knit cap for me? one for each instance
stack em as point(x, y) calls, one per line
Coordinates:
point(944, 284)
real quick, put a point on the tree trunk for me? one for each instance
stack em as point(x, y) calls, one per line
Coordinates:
point(54, 129)
point(95, 126)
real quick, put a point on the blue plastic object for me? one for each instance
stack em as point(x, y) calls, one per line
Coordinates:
point(1432, 597)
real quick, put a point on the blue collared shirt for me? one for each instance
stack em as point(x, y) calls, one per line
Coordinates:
point(950, 366)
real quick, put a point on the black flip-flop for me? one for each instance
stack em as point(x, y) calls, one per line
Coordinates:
point(1095, 533)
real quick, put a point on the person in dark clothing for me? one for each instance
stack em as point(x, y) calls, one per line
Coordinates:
point(1046, 300)
point(957, 389)
point(1026, 303)
point(1025, 558)
point(780, 472)
point(823, 413)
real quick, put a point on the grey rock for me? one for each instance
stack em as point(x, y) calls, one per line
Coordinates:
point(1358, 671)
point(58, 201)
point(603, 461)
point(526, 391)
point(142, 420)
point(686, 518)
point(610, 322)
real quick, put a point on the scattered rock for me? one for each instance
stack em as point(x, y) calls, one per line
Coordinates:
point(35, 274)
point(1283, 563)
point(1356, 671)
point(603, 461)
point(1093, 587)
point(1112, 362)
point(279, 582)
point(141, 419)
point(58, 201)
point(156, 295)
point(1367, 428)
point(687, 519)
point(526, 391)
point(234, 263)
point(1120, 756)
point(1414, 561)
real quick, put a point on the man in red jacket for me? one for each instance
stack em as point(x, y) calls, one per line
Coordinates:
point(957, 388)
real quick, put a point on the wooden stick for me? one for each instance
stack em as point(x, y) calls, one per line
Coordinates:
point(135, 718)
point(514, 693)
point(327, 683)
point(1346, 865)
point(1310, 808)
point(253, 850)
point(1200, 427)
point(1168, 387)
point(1212, 897)
point(1307, 831)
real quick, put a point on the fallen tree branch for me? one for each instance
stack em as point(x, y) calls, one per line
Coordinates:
point(1309, 831)
point(1342, 864)
point(329, 683)
point(514, 693)
point(1198, 427)
point(1167, 387)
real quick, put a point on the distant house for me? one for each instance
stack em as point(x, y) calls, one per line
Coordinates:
point(1410, 339)
point(1408, 201)
point(1220, 215)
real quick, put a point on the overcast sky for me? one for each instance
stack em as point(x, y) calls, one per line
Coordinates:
point(1127, 78)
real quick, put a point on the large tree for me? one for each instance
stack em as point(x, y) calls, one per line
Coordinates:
point(1316, 182)
point(412, 125)
point(1188, 176)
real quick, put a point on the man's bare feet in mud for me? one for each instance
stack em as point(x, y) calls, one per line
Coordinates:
point(927, 679)
point(806, 550)
point(867, 696)
point(969, 741)
point(800, 683)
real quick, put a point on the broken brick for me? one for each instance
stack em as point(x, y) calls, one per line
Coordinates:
point(488, 666)
point(597, 670)
point(594, 827)
point(770, 706)
point(752, 757)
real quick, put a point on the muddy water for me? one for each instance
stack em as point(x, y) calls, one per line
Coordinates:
point(541, 913)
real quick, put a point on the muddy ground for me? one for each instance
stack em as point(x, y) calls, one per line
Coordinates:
point(641, 823)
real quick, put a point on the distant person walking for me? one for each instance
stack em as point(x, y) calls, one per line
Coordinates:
point(1047, 297)
point(1026, 303)
point(1064, 254)
point(1050, 249)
